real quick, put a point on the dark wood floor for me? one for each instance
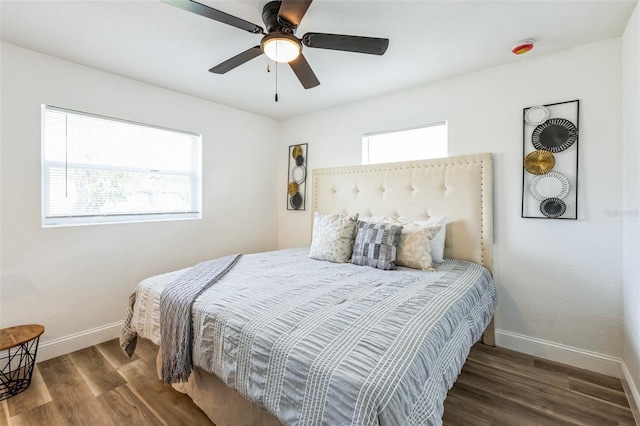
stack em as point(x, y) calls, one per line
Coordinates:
point(101, 386)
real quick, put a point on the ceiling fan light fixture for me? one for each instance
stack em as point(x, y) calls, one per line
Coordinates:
point(281, 47)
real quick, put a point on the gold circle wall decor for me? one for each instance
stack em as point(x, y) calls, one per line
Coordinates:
point(292, 189)
point(539, 162)
point(297, 150)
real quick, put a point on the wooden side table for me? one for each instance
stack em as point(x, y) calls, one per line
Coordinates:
point(18, 349)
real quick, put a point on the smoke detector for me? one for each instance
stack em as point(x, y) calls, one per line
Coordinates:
point(522, 47)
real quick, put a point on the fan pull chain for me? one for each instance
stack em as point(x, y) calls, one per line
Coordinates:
point(276, 82)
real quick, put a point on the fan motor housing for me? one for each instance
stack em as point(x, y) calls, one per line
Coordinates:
point(271, 20)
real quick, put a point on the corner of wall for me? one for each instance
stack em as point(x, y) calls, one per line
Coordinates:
point(631, 227)
point(631, 390)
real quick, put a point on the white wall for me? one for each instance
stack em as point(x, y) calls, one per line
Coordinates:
point(559, 281)
point(631, 150)
point(76, 280)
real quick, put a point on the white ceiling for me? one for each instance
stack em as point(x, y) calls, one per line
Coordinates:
point(429, 41)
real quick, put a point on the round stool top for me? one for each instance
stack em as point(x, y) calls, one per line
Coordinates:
point(13, 336)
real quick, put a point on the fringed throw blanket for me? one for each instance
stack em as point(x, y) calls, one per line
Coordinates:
point(176, 328)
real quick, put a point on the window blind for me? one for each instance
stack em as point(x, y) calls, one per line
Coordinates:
point(99, 169)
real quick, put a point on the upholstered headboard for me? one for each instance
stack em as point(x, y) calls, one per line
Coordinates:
point(460, 188)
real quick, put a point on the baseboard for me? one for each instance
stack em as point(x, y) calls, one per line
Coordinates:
point(77, 341)
point(592, 361)
point(630, 388)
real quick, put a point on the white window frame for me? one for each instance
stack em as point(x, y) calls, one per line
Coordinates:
point(367, 137)
point(81, 220)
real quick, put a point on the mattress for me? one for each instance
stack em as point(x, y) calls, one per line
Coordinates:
point(315, 342)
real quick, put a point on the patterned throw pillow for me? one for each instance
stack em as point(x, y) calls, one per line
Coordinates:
point(437, 243)
point(414, 248)
point(376, 245)
point(332, 237)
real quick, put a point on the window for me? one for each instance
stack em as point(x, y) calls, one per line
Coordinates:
point(425, 142)
point(103, 170)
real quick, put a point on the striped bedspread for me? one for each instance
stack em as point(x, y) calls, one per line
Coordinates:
point(316, 343)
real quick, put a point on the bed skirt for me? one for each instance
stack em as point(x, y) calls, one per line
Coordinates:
point(223, 405)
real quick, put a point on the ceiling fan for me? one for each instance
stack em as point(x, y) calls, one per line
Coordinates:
point(279, 42)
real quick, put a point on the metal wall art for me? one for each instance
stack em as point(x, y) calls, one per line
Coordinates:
point(550, 166)
point(297, 179)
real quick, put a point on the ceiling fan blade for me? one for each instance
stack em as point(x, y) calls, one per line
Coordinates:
point(292, 11)
point(237, 60)
point(215, 14)
point(303, 71)
point(348, 43)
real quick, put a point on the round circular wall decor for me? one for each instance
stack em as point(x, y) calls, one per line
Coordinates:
point(553, 207)
point(554, 135)
point(536, 115)
point(292, 189)
point(296, 151)
point(549, 185)
point(296, 201)
point(539, 162)
point(298, 174)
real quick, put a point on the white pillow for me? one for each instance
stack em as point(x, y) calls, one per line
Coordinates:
point(333, 237)
point(415, 246)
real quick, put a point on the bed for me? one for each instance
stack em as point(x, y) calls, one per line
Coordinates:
point(302, 341)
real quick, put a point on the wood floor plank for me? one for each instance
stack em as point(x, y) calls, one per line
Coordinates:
point(147, 352)
point(578, 373)
point(4, 413)
point(600, 393)
point(46, 414)
point(516, 363)
point(502, 408)
point(170, 405)
point(96, 371)
point(549, 400)
point(125, 408)
point(70, 393)
point(462, 411)
point(112, 352)
point(59, 371)
point(35, 395)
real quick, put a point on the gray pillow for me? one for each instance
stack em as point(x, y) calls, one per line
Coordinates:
point(376, 245)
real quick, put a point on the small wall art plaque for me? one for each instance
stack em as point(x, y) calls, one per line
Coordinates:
point(297, 178)
point(550, 161)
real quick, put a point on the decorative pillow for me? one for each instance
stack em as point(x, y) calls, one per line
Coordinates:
point(414, 248)
point(332, 237)
point(437, 243)
point(376, 245)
